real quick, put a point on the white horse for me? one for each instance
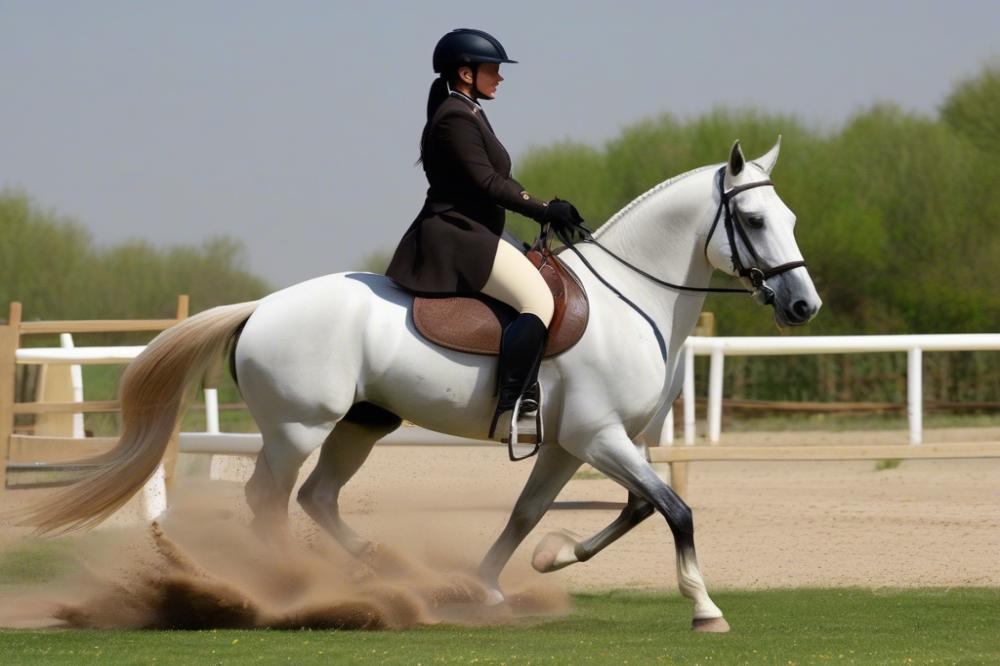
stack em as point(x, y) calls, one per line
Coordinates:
point(335, 362)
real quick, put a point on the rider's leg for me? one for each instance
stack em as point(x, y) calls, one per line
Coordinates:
point(515, 281)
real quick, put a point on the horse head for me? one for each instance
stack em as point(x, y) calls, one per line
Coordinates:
point(753, 239)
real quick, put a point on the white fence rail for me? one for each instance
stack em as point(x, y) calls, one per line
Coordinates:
point(914, 346)
point(212, 440)
point(717, 348)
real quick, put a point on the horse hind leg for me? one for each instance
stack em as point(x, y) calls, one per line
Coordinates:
point(286, 447)
point(343, 453)
point(560, 549)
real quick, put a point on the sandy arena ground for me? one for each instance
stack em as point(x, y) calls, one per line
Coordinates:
point(758, 525)
point(924, 523)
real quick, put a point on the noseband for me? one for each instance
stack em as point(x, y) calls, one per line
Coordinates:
point(757, 275)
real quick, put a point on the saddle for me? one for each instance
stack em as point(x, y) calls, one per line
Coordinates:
point(474, 323)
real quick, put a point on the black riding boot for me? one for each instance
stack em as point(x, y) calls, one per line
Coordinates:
point(521, 349)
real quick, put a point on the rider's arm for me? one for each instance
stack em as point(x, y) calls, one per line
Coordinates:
point(461, 138)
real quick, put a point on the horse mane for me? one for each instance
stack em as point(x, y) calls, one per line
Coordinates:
point(656, 189)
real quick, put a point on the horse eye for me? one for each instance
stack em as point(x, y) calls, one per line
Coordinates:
point(755, 221)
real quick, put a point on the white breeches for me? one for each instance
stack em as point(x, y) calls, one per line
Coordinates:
point(515, 281)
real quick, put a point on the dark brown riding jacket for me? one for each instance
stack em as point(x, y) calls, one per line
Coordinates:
point(451, 245)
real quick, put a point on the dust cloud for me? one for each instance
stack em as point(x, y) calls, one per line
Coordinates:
point(204, 568)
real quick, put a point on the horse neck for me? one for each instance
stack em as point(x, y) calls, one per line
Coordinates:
point(664, 235)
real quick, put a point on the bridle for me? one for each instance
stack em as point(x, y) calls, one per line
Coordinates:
point(755, 274)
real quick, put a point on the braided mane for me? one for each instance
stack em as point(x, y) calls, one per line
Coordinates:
point(632, 205)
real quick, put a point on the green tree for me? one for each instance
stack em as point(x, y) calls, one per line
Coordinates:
point(973, 109)
point(50, 263)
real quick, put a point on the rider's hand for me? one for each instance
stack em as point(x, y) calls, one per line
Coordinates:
point(564, 217)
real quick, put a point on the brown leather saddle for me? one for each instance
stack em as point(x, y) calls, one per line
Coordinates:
point(474, 323)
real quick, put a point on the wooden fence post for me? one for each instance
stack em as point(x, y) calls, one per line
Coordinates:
point(9, 339)
point(679, 478)
point(679, 470)
point(182, 307)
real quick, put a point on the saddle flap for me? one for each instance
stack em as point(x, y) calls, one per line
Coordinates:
point(474, 323)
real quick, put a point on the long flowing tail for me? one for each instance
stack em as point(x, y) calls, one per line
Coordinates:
point(153, 388)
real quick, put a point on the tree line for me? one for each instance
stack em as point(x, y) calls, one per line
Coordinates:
point(52, 265)
point(897, 218)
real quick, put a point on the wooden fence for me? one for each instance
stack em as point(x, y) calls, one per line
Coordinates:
point(678, 457)
point(31, 451)
point(21, 451)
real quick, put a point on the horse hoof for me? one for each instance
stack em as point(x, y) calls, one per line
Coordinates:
point(555, 551)
point(710, 625)
point(493, 598)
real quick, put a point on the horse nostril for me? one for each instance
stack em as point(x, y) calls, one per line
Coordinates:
point(803, 310)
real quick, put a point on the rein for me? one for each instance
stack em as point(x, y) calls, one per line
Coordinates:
point(755, 274)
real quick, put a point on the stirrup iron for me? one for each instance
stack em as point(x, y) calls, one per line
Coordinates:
point(515, 437)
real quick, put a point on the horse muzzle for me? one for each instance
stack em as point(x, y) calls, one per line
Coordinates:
point(799, 313)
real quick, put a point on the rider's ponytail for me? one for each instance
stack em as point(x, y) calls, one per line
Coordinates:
point(437, 94)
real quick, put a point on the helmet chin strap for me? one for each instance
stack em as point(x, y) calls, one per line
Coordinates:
point(475, 83)
point(473, 88)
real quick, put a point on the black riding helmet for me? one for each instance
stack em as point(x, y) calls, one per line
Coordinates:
point(466, 46)
point(460, 47)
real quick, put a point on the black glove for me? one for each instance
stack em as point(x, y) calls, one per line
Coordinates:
point(564, 218)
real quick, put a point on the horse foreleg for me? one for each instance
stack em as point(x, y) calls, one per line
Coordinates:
point(560, 549)
point(343, 453)
point(553, 468)
point(614, 454)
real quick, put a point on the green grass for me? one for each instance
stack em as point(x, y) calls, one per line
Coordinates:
point(36, 562)
point(101, 383)
point(779, 626)
point(794, 626)
point(889, 463)
point(588, 474)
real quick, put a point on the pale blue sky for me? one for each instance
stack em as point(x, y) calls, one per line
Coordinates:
point(294, 125)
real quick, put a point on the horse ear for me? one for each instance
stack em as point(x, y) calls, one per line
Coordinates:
point(736, 159)
point(767, 160)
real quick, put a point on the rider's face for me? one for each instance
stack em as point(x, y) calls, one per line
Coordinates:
point(487, 80)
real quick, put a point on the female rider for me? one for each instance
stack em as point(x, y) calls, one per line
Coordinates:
point(454, 245)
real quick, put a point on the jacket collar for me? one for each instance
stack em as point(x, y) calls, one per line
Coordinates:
point(465, 98)
point(475, 107)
